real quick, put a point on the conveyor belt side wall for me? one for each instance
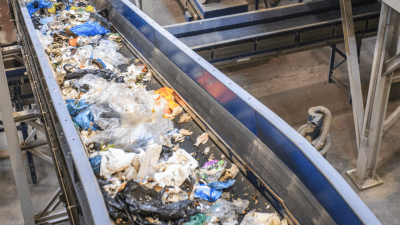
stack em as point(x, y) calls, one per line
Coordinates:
point(164, 52)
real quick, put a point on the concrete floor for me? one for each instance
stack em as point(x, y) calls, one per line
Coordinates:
point(288, 85)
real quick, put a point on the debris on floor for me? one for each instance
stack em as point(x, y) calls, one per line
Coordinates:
point(128, 130)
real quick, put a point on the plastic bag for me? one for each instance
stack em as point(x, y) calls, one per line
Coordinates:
point(166, 153)
point(167, 94)
point(226, 211)
point(222, 185)
point(95, 163)
point(212, 171)
point(85, 120)
point(176, 169)
point(115, 160)
point(198, 219)
point(45, 40)
point(104, 73)
point(83, 53)
point(44, 21)
point(142, 202)
point(254, 217)
point(83, 41)
point(149, 161)
point(89, 29)
point(107, 52)
point(95, 84)
point(207, 193)
point(74, 108)
point(33, 6)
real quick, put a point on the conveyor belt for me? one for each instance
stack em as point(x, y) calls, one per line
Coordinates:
point(275, 31)
point(279, 163)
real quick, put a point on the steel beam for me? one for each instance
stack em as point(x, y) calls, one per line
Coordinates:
point(395, 4)
point(364, 176)
point(391, 65)
point(41, 155)
point(14, 148)
point(352, 65)
point(390, 120)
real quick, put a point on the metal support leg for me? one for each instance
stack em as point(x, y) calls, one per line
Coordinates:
point(24, 129)
point(352, 64)
point(390, 120)
point(331, 63)
point(257, 2)
point(364, 176)
point(14, 148)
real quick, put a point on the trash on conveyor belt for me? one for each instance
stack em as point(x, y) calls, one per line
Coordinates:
point(133, 147)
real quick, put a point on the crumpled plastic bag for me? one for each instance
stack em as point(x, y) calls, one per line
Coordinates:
point(211, 171)
point(104, 73)
point(89, 29)
point(167, 94)
point(44, 21)
point(222, 185)
point(254, 217)
point(198, 219)
point(83, 53)
point(176, 169)
point(35, 5)
point(83, 41)
point(95, 163)
point(207, 193)
point(74, 108)
point(85, 120)
point(226, 211)
point(45, 40)
point(149, 161)
point(115, 160)
point(107, 52)
point(139, 202)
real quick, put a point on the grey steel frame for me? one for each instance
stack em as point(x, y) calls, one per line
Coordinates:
point(14, 148)
point(385, 63)
point(78, 184)
point(352, 65)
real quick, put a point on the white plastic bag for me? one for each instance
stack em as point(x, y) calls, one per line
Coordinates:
point(45, 40)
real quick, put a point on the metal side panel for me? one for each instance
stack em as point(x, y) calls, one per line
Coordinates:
point(254, 17)
point(301, 180)
point(61, 130)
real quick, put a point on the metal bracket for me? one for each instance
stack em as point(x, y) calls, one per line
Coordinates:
point(366, 183)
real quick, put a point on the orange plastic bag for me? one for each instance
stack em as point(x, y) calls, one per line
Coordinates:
point(73, 42)
point(167, 94)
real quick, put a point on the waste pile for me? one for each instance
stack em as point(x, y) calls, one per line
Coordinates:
point(132, 145)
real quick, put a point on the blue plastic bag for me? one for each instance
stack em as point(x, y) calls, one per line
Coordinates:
point(84, 118)
point(207, 193)
point(222, 185)
point(73, 108)
point(35, 5)
point(101, 62)
point(89, 29)
point(95, 163)
point(44, 21)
